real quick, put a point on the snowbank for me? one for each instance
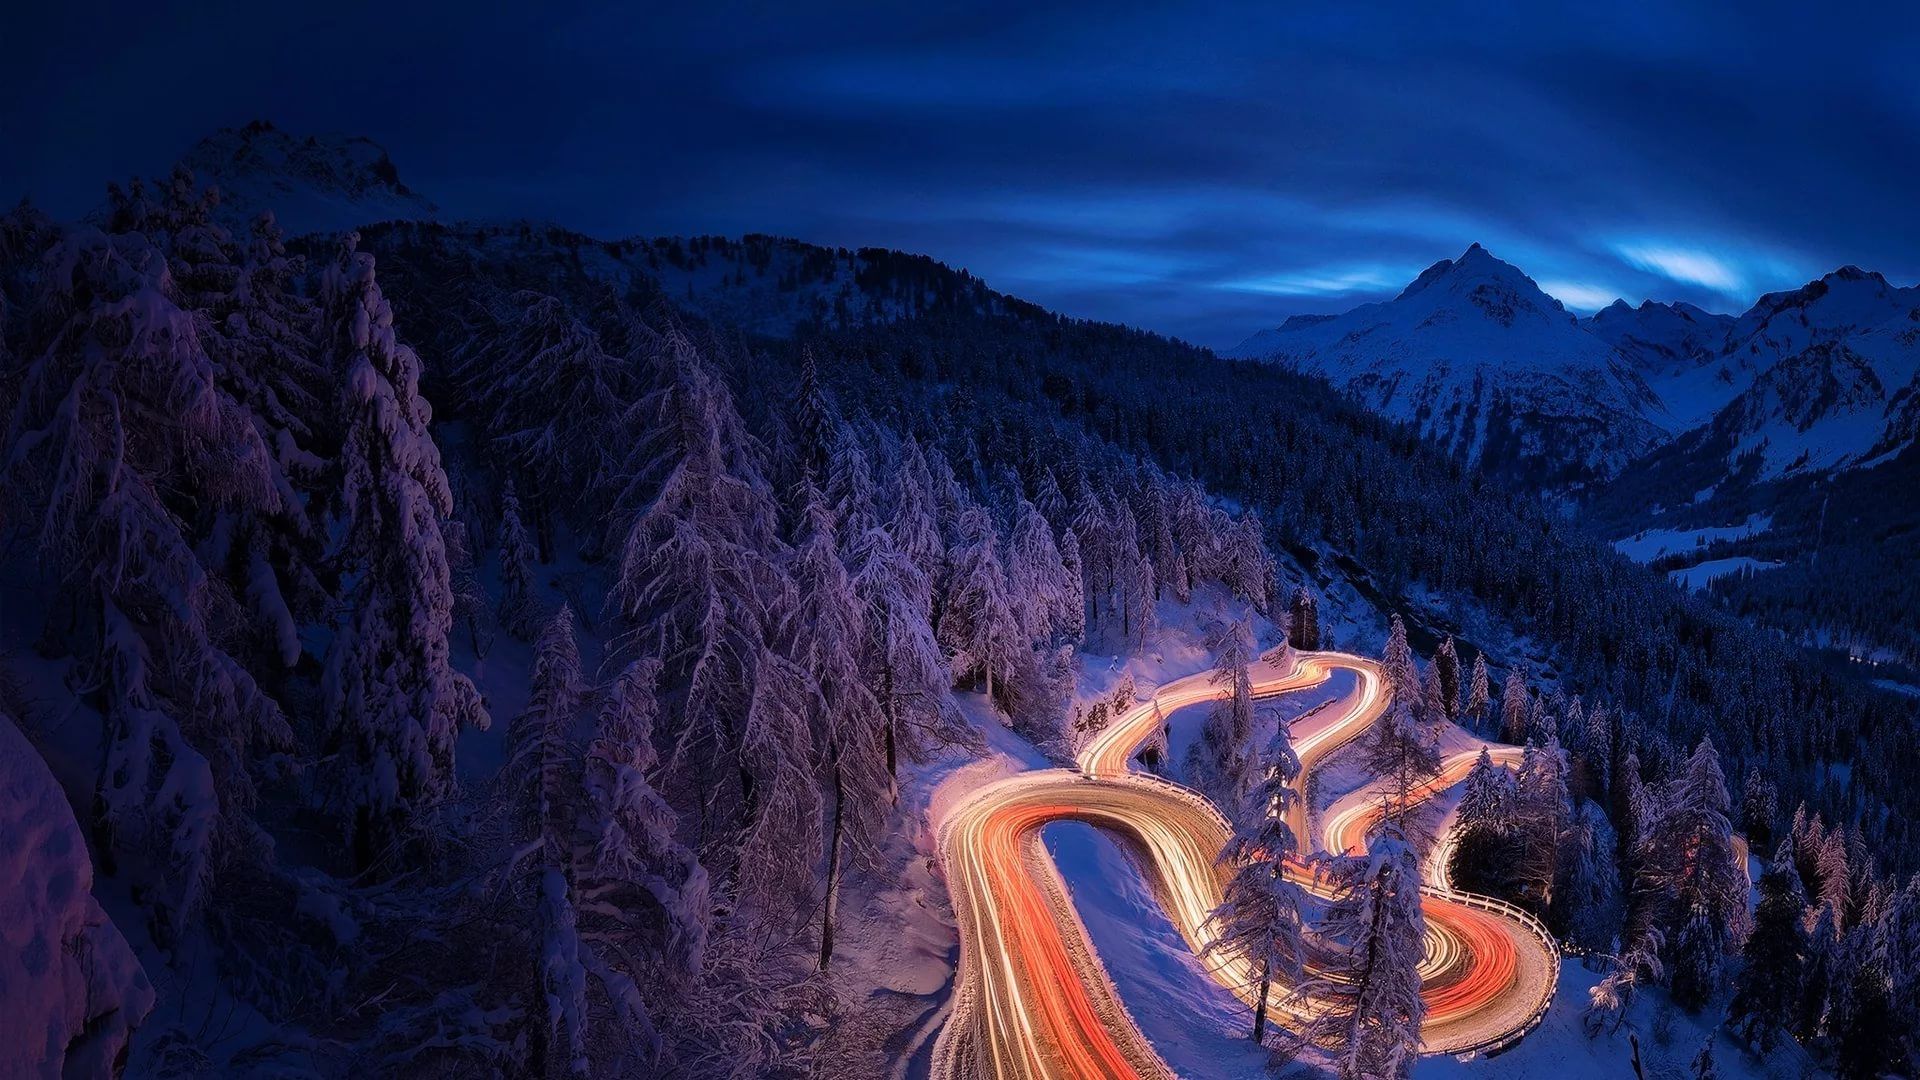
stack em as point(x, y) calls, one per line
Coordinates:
point(72, 990)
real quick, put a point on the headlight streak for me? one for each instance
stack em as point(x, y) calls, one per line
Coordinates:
point(1031, 999)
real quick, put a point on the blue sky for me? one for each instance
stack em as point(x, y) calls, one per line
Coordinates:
point(1204, 171)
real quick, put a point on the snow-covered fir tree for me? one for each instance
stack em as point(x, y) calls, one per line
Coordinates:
point(1377, 936)
point(1446, 669)
point(1698, 893)
point(1402, 748)
point(979, 628)
point(1767, 990)
point(1478, 690)
point(1586, 906)
point(1258, 919)
point(518, 610)
point(392, 698)
point(1305, 625)
point(1222, 761)
point(1516, 707)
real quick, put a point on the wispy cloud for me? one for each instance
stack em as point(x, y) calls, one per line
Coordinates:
point(1579, 294)
point(1692, 266)
point(1325, 281)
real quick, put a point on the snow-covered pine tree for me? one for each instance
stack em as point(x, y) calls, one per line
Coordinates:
point(1816, 980)
point(1478, 695)
point(1433, 710)
point(1401, 749)
point(518, 611)
point(1759, 806)
point(1073, 596)
point(978, 627)
point(700, 584)
point(1377, 937)
point(1703, 1067)
point(393, 701)
point(1586, 892)
point(1043, 600)
point(1446, 668)
point(914, 523)
point(1599, 754)
point(541, 784)
point(1516, 708)
point(1700, 894)
point(1305, 627)
point(1221, 761)
point(909, 674)
point(831, 641)
point(849, 489)
point(1483, 855)
point(121, 434)
point(1540, 816)
point(1900, 931)
point(1258, 919)
point(1834, 875)
point(552, 395)
point(1767, 990)
point(1860, 1017)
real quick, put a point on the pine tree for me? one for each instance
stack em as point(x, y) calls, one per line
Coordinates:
point(1688, 865)
point(517, 608)
point(832, 638)
point(1305, 625)
point(1900, 932)
point(1516, 708)
point(1767, 992)
point(1862, 1016)
point(1834, 875)
point(909, 673)
point(978, 628)
point(1258, 920)
point(541, 784)
point(1046, 605)
point(1586, 893)
point(1374, 927)
point(1540, 815)
point(1759, 805)
point(1816, 984)
point(1221, 760)
point(394, 702)
point(1401, 749)
point(1475, 708)
point(1446, 669)
point(1483, 855)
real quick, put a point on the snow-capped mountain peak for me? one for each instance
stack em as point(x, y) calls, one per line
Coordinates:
point(315, 183)
point(1482, 360)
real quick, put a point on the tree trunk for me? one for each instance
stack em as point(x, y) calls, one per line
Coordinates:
point(1260, 1007)
point(833, 873)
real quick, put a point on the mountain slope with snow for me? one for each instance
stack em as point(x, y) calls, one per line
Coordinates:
point(313, 183)
point(1484, 363)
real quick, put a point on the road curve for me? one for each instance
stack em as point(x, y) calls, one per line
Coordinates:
point(1031, 999)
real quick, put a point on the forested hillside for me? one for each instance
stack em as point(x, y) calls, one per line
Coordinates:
point(467, 649)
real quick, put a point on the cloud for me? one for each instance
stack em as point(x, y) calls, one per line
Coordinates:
point(1690, 266)
point(1324, 281)
point(1580, 295)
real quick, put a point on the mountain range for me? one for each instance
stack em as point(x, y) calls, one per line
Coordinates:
point(1661, 421)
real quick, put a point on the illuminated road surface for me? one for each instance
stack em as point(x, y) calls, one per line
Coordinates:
point(1031, 999)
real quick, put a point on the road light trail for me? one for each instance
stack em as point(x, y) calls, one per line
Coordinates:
point(1031, 999)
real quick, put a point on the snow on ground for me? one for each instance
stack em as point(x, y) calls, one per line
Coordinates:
point(1194, 1024)
point(1669, 1039)
point(1650, 544)
point(1697, 577)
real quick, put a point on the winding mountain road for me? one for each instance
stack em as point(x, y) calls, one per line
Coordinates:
point(1031, 999)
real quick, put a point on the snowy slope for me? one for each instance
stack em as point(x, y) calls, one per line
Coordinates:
point(1486, 364)
point(1680, 350)
point(316, 183)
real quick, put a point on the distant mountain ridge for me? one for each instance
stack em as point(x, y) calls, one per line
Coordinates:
point(1482, 361)
point(314, 183)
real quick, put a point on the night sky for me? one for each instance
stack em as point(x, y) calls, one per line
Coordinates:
point(1201, 173)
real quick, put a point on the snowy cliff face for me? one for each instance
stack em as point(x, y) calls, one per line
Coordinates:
point(1486, 364)
point(73, 989)
point(314, 183)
